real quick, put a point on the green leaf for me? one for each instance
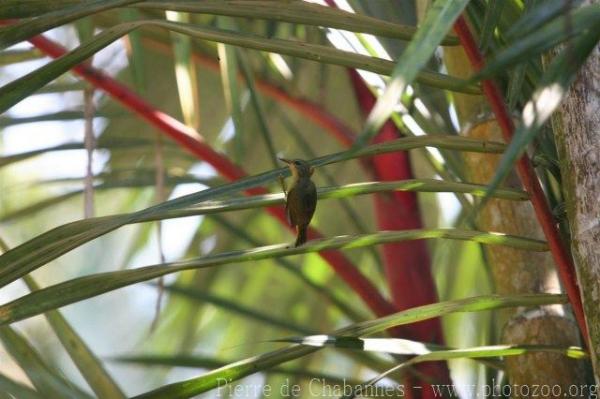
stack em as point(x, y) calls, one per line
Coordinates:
point(438, 21)
point(21, 88)
point(257, 201)
point(88, 286)
point(297, 12)
point(44, 378)
point(39, 206)
point(500, 350)
point(109, 184)
point(492, 17)
point(263, 126)
point(234, 307)
point(54, 116)
point(485, 302)
point(211, 363)
point(243, 368)
point(14, 56)
point(59, 87)
point(112, 144)
point(544, 12)
point(475, 353)
point(17, 90)
point(20, 31)
point(321, 290)
point(226, 374)
point(17, 390)
point(525, 48)
point(136, 56)
point(185, 73)
point(84, 28)
point(88, 364)
point(554, 86)
point(515, 87)
point(427, 352)
point(396, 346)
point(32, 8)
point(349, 190)
point(132, 178)
point(231, 89)
point(50, 245)
point(324, 193)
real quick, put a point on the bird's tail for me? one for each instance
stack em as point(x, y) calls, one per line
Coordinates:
point(301, 238)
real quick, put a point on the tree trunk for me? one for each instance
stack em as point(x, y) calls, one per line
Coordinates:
point(516, 271)
point(577, 132)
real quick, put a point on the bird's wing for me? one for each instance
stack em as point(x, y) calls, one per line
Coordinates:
point(292, 198)
point(310, 201)
point(287, 211)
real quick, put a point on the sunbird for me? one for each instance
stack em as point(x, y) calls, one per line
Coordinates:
point(301, 198)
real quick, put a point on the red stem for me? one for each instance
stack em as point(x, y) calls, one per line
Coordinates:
point(193, 142)
point(563, 260)
point(407, 265)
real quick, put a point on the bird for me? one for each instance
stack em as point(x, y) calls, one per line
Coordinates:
point(301, 198)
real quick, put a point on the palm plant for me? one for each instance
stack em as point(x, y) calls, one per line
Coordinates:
point(415, 115)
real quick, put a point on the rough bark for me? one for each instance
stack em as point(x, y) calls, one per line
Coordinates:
point(515, 271)
point(547, 370)
point(577, 132)
point(518, 271)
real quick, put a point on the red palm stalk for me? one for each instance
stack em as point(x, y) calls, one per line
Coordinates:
point(407, 265)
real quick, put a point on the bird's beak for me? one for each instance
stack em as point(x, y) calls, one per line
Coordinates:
point(285, 160)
